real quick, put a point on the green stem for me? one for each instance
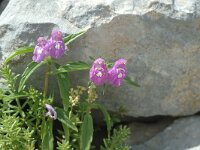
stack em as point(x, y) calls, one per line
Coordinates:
point(46, 80)
point(19, 108)
point(70, 112)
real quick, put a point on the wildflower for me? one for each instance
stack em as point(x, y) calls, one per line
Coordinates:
point(51, 112)
point(117, 73)
point(40, 52)
point(99, 72)
point(92, 94)
point(75, 95)
point(74, 100)
point(56, 45)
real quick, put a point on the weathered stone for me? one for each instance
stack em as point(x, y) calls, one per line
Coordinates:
point(163, 56)
point(194, 148)
point(144, 131)
point(3, 5)
point(181, 135)
point(160, 40)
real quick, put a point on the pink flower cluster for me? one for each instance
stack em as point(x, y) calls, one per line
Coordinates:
point(99, 74)
point(54, 47)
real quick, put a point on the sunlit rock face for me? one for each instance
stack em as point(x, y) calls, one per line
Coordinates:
point(159, 39)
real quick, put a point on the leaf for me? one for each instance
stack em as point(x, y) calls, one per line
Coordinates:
point(11, 97)
point(64, 86)
point(20, 51)
point(27, 72)
point(129, 81)
point(62, 117)
point(109, 65)
point(70, 38)
point(86, 132)
point(47, 135)
point(92, 58)
point(74, 66)
point(107, 118)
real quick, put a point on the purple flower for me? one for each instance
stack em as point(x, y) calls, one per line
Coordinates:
point(56, 35)
point(56, 45)
point(51, 112)
point(40, 52)
point(98, 72)
point(117, 73)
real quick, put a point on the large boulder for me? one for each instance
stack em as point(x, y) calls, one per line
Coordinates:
point(160, 40)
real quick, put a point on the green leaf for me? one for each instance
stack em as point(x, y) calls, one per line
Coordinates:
point(92, 58)
point(86, 132)
point(72, 37)
point(27, 72)
point(107, 118)
point(109, 65)
point(11, 97)
point(74, 66)
point(20, 51)
point(129, 81)
point(47, 135)
point(64, 86)
point(62, 117)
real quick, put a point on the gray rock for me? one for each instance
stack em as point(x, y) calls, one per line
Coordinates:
point(163, 56)
point(144, 131)
point(181, 135)
point(3, 5)
point(194, 148)
point(160, 40)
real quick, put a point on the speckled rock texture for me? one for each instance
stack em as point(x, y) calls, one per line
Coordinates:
point(159, 38)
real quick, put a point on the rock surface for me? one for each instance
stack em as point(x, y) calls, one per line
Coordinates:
point(181, 135)
point(3, 5)
point(144, 131)
point(160, 40)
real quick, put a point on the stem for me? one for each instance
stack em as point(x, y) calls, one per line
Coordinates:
point(19, 107)
point(70, 112)
point(46, 80)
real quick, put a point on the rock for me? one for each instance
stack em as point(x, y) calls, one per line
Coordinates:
point(163, 56)
point(160, 40)
point(144, 131)
point(3, 5)
point(195, 148)
point(182, 134)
